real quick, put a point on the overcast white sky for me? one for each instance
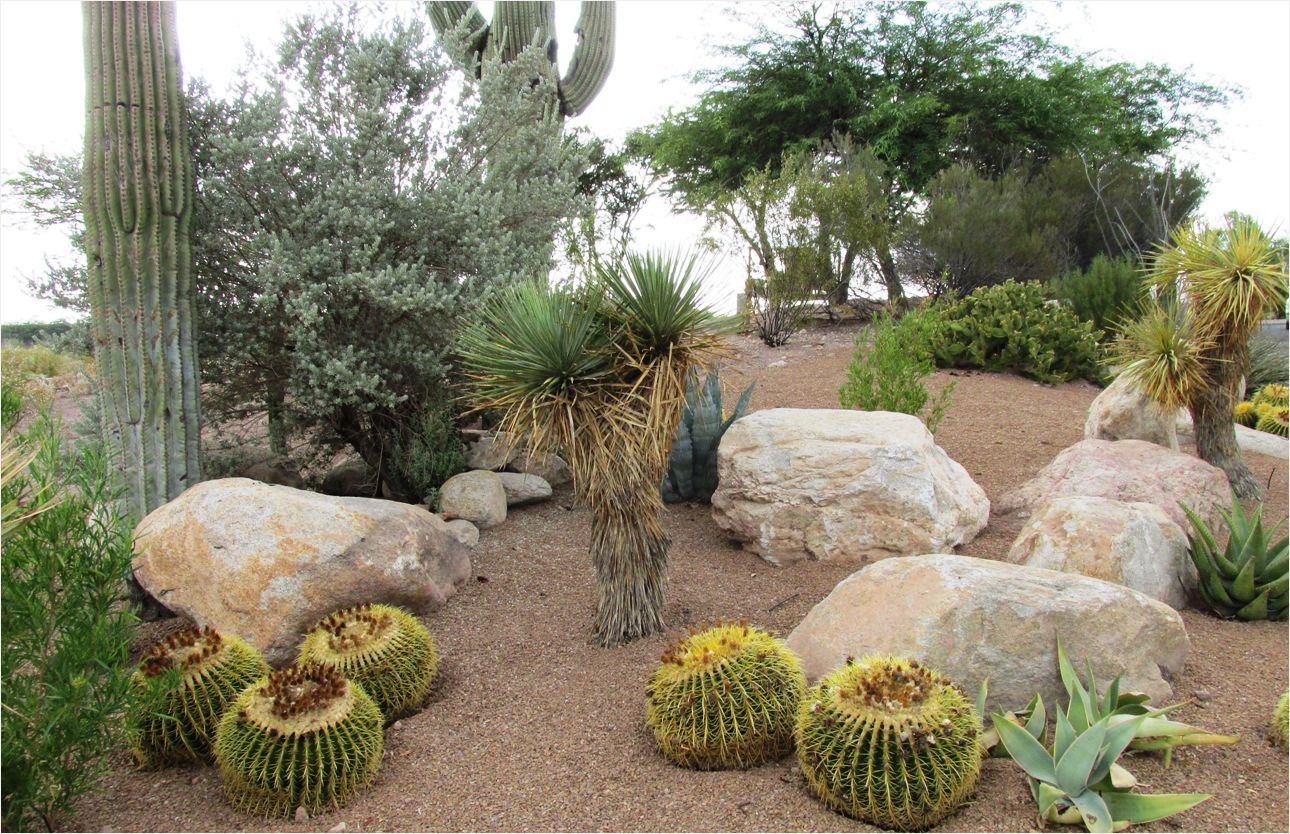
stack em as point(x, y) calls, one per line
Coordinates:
point(1246, 43)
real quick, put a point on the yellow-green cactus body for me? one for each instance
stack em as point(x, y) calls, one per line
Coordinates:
point(303, 737)
point(1274, 420)
point(1246, 414)
point(383, 648)
point(1272, 394)
point(889, 741)
point(725, 698)
point(1281, 720)
point(180, 724)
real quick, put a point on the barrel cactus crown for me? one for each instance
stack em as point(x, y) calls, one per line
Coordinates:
point(1280, 730)
point(180, 725)
point(1272, 394)
point(1274, 419)
point(383, 648)
point(889, 741)
point(303, 737)
point(1245, 413)
point(725, 697)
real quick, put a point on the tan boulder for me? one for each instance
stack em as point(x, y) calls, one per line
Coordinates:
point(550, 468)
point(267, 562)
point(489, 450)
point(1124, 412)
point(477, 496)
point(970, 618)
point(840, 484)
point(524, 489)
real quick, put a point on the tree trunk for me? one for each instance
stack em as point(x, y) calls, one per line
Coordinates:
point(138, 197)
point(629, 550)
point(887, 266)
point(1211, 414)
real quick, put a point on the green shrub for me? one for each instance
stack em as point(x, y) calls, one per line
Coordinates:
point(887, 371)
point(1012, 327)
point(21, 362)
point(10, 404)
point(1105, 294)
point(432, 453)
point(66, 634)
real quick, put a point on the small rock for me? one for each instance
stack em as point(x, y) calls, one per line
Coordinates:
point(524, 489)
point(780, 364)
point(491, 451)
point(550, 468)
point(477, 496)
point(338, 827)
point(464, 531)
point(396, 724)
point(301, 814)
point(1202, 695)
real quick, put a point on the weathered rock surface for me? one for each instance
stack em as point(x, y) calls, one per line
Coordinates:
point(275, 470)
point(1247, 439)
point(969, 617)
point(1132, 544)
point(840, 484)
point(489, 450)
point(267, 562)
point(550, 468)
point(352, 478)
point(464, 531)
point(1123, 412)
point(477, 496)
point(524, 489)
point(1127, 470)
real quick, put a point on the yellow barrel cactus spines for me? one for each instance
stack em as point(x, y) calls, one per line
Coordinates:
point(1280, 730)
point(1274, 419)
point(178, 723)
point(889, 741)
point(1246, 413)
point(1272, 394)
point(725, 698)
point(383, 648)
point(303, 737)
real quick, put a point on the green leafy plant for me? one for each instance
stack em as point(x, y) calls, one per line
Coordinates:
point(692, 464)
point(384, 648)
point(1105, 294)
point(886, 372)
point(302, 737)
point(179, 723)
point(725, 697)
point(431, 453)
point(1012, 327)
point(1247, 579)
point(67, 633)
point(889, 741)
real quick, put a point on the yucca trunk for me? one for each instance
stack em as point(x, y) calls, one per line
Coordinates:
point(1211, 409)
point(138, 196)
point(629, 550)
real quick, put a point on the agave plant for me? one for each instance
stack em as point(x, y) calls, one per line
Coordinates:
point(1224, 278)
point(692, 468)
point(599, 372)
point(1248, 578)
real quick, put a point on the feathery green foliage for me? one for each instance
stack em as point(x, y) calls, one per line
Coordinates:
point(890, 742)
point(431, 453)
point(692, 464)
point(1248, 579)
point(383, 648)
point(887, 370)
point(725, 697)
point(1106, 294)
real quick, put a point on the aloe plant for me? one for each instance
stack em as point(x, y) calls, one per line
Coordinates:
point(1248, 579)
point(692, 466)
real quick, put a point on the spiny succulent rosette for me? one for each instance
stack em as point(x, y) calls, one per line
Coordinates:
point(383, 648)
point(1274, 419)
point(303, 737)
point(179, 722)
point(725, 698)
point(889, 741)
point(1280, 731)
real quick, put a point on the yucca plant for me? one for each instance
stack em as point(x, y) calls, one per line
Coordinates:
point(1248, 578)
point(1194, 357)
point(598, 373)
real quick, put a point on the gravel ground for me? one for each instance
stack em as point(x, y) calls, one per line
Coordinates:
point(532, 728)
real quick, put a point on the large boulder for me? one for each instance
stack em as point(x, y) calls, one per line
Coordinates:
point(1127, 470)
point(477, 496)
point(1129, 543)
point(267, 562)
point(1124, 412)
point(523, 489)
point(971, 618)
point(823, 484)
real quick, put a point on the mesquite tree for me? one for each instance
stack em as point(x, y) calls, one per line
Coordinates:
point(137, 198)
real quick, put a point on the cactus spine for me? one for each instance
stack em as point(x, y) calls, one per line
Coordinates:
point(889, 741)
point(725, 698)
point(517, 23)
point(1279, 732)
point(181, 723)
point(138, 197)
point(383, 648)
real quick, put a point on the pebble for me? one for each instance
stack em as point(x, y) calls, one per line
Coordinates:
point(335, 829)
point(397, 724)
point(1202, 695)
point(301, 814)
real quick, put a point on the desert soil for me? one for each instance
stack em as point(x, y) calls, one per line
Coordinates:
point(533, 728)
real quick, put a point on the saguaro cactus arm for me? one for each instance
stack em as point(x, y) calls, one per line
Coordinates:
point(515, 25)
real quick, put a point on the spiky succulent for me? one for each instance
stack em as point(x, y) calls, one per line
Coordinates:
point(303, 737)
point(889, 741)
point(1245, 413)
point(1272, 394)
point(692, 464)
point(384, 648)
point(1248, 579)
point(725, 697)
point(1280, 730)
point(175, 719)
point(1274, 419)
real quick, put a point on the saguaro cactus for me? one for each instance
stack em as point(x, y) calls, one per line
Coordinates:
point(138, 197)
point(515, 25)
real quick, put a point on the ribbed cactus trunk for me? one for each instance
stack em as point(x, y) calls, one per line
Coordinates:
point(138, 197)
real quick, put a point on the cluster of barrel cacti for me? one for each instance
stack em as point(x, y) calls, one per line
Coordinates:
point(885, 740)
point(1268, 410)
point(309, 736)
